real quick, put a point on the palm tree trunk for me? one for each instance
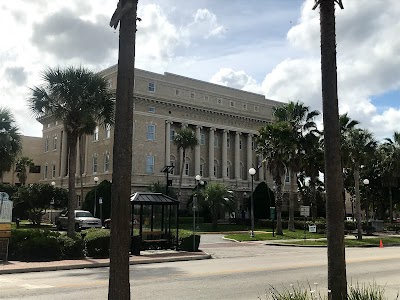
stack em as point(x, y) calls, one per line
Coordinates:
point(80, 165)
point(358, 201)
point(278, 203)
point(181, 173)
point(291, 200)
point(119, 286)
point(72, 142)
point(333, 174)
point(390, 205)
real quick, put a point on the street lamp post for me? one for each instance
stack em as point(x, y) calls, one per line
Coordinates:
point(252, 171)
point(366, 183)
point(96, 179)
point(198, 179)
point(52, 203)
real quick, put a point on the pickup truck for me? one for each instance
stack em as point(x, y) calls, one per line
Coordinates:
point(83, 220)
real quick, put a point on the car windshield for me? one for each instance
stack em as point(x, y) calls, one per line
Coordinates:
point(81, 214)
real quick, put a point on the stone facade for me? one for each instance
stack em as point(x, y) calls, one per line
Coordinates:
point(225, 121)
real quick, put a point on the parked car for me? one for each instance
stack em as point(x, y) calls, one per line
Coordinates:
point(83, 220)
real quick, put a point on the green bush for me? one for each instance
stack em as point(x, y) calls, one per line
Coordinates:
point(186, 243)
point(72, 248)
point(97, 243)
point(189, 220)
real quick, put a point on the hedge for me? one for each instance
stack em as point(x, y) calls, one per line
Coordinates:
point(97, 243)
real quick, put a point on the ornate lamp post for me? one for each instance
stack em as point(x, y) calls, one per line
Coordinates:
point(52, 203)
point(252, 171)
point(96, 179)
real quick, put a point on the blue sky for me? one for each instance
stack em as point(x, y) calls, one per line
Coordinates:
point(264, 46)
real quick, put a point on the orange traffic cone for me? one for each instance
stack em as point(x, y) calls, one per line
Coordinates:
point(380, 244)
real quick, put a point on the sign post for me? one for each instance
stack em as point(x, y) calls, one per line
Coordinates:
point(6, 207)
point(305, 211)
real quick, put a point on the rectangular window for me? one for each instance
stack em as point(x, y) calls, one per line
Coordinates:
point(256, 108)
point(215, 141)
point(94, 160)
point(106, 162)
point(78, 198)
point(152, 109)
point(46, 169)
point(215, 170)
point(202, 139)
point(287, 177)
point(206, 98)
point(152, 87)
point(245, 106)
point(219, 101)
point(176, 92)
point(96, 134)
point(172, 163)
point(55, 142)
point(228, 142)
point(202, 170)
point(232, 103)
point(53, 171)
point(187, 168)
point(240, 144)
point(172, 135)
point(150, 164)
point(108, 131)
point(34, 169)
point(46, 144)
point(151, 132)
point(192, 95)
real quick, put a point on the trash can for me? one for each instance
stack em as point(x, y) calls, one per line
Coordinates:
point(136, 243)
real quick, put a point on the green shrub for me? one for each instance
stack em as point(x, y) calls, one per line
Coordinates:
point(189, 220)
point(97, 243)
point(186, 243)
point(71, 248)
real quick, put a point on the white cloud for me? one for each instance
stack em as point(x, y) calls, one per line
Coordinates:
point(236, 79)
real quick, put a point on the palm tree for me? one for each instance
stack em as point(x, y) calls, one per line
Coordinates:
point(20, 167)
point(333, 174)
point(275, 143)
point(216, 197)
point(302, 122)
point(79, 98)
point(391, 165)
point(184, 139)
point(10, 141)
point(126, 16)
point(359, 144)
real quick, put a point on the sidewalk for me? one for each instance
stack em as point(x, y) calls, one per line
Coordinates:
point(146, 257)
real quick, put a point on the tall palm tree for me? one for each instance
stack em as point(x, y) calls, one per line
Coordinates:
point(20, 167)
point(126, 16)
point(184, 139)
point(217, 197)
point(333, 174)
point(10, 141)
point(301, 120)
point(80, 99)
point(391, 166)
point(275, 143)
point(359, 144)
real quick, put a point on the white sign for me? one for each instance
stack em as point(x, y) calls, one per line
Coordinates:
point(304, 211)
point(6, 207)
point(312, 228)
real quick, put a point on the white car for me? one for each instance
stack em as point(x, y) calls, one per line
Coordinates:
point(83, 220)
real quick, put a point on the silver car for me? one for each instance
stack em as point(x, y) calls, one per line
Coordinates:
point(83, 220)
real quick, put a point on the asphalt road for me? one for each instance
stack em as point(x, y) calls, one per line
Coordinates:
point(239, 271)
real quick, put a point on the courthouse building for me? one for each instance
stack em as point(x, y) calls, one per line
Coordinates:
point(224, 120)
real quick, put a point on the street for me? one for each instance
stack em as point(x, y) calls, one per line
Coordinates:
point(238, 271)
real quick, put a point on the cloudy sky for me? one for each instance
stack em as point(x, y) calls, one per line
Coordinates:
point(265, 46)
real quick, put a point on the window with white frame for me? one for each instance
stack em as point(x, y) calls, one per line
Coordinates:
point(287, 177)
point(172, 135)
point(94, 163)
point(152, 87)
point(152, 109)
point(240, 144)
point(187, 166)
point(46, 144)
point(108, 130)
point(215, 168)
point(202, 139)
point(215, 141)
point(106, 162)
point(53, 171)
point(150, 164)
point(55, 142)
point(151, 132)
point(46, 170)
point(228, 169)
point(228, 142)
point(96, 134)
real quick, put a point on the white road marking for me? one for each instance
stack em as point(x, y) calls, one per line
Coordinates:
point(36, 286)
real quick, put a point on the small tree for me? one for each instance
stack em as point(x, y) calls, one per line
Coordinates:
point(103, 190)
point(20, 168)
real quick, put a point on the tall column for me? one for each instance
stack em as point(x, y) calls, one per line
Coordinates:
point(197, 152)
point(211, 153)
point(167, 160)
point(237, 155)
point(224, 153)
point(181, 158)
point(249, 153)
point(64, 155)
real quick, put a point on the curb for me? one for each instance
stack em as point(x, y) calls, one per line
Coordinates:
point(104, 264)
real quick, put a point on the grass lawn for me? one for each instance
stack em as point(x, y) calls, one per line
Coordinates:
point(264, 235)
point(365, 242)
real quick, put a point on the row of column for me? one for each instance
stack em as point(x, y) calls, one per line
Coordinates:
point(211, 155)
